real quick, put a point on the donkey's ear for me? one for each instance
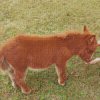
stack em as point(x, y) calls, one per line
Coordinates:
point(91, 39)
point(85, 30)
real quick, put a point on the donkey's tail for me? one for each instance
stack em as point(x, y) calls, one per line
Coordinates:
point(4, 65)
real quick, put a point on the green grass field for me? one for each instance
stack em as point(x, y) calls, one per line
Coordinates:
point(50, 17)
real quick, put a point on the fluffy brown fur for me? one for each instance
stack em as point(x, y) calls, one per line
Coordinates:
point(39, 52)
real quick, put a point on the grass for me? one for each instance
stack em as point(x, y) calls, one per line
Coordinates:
point(50, 17)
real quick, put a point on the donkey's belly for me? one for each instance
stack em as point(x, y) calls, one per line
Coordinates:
point(39, 66)
point(37, 69)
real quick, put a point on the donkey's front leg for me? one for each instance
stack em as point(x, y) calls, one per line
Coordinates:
point(60, 69)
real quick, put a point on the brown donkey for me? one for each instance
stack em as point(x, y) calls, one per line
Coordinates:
point(39, 52)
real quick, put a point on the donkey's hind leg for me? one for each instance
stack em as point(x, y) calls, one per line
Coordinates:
point(20, 77)
point(7, 67)
point(12, 77)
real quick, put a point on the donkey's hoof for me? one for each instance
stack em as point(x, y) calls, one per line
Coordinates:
point(61, 83)
point(26, 91)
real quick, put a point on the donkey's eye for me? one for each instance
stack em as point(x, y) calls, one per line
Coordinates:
point(90, 51)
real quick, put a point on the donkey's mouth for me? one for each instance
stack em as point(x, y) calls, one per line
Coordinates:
point(87, 61)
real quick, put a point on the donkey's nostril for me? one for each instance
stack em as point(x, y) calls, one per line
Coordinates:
point(85, 60)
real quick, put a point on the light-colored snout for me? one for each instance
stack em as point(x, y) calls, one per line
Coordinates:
point(89, 59)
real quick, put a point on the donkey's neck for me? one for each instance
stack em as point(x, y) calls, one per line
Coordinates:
point(75, 42)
